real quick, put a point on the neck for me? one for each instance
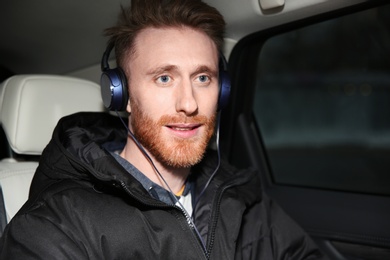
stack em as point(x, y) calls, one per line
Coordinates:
point(174, 177)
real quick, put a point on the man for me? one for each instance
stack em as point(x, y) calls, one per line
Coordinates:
point(149, 189)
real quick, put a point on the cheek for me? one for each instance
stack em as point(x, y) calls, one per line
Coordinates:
point(208, 102)
point(152, 104)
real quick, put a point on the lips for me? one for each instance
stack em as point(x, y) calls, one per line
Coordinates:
point(184, 130)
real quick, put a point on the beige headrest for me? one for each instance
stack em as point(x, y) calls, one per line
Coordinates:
point(31, 105)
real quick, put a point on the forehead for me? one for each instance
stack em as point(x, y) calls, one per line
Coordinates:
point(170, 42)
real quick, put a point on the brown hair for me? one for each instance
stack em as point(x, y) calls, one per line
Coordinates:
point(163, 13)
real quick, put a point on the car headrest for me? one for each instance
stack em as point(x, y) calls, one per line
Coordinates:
point(31, 105)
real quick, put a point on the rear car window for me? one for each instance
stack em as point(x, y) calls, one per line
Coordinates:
point(322, 103)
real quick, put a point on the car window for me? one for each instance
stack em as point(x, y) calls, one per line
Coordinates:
point(322, 103)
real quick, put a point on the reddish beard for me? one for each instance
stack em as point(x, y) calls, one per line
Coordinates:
point(172, 151)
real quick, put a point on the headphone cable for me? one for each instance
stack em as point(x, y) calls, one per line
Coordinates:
point(189, 218)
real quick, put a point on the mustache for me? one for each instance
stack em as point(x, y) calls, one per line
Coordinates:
point(175, 119)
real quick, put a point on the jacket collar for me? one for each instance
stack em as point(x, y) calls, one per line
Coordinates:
point(77, 151)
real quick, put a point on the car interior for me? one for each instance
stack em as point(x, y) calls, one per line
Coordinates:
point(309, 105)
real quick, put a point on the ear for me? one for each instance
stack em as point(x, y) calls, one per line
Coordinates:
point(128, 107)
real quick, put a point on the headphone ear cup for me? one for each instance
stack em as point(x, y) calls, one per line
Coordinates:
point(114, 91)
point(224, 89)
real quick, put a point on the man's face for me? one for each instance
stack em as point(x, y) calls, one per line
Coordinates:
point(173, 86)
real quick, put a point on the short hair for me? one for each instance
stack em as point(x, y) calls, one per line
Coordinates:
point(163, 13)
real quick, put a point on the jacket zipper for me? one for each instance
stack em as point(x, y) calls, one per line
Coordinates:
point(192, 227)
point(187, 218)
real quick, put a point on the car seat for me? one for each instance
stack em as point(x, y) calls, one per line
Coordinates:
point(30, 106)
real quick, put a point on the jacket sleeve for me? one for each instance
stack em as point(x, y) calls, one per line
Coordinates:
point(32, 237)
point(268, 232)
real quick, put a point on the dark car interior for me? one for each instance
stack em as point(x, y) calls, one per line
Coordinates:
point(309, 108)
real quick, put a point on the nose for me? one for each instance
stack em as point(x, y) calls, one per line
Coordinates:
point(186, 101)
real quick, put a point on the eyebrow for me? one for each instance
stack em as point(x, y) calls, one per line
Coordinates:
point(162, 69)
point(203, 69)
point(171, 68)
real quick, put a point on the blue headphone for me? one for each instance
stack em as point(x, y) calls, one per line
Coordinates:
point(114, 89)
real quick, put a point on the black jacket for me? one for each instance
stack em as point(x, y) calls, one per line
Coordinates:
point(84, 205)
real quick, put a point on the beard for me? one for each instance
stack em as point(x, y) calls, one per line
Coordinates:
point(169, 150)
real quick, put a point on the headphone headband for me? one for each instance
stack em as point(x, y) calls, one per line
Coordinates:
point(106, 55)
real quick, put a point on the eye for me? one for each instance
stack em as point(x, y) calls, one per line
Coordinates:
point(164, 79)
point(204, 78)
